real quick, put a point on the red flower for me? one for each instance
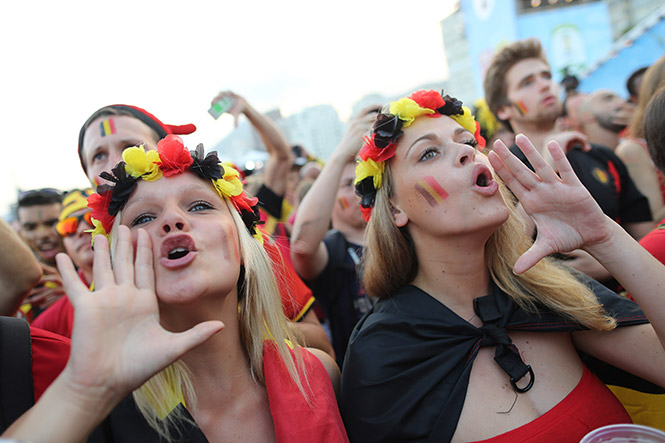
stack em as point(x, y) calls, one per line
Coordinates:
point(479, 138)
point(174, 157)
point(243, 202)
point(428, 99)
point(99, 203)
point(370, 150)
point(366, 212)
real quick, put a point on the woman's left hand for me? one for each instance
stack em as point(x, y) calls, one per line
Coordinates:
point(564, 212)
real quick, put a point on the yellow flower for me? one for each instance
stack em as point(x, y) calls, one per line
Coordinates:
point(229, 185)
point(98, 229)
point(141, 163)
point(485, 117)
point(466, 120)
point(408, 110)
point(370, 168)
point(258, 235)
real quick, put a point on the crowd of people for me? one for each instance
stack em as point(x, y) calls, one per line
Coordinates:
point(440, 277)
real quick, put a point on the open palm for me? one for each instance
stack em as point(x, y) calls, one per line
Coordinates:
point(565, 214)
point(118, 342)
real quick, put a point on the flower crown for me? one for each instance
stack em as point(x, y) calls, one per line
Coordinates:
point(170, 158)
point(380, 144)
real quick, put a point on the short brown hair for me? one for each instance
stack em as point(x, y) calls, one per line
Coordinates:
point(496, 89)
point(654, 128)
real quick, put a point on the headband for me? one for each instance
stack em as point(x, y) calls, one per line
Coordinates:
point(380, 144)
point(74, 201)
point(170, 158)
point(488, 122)
point(144, 116)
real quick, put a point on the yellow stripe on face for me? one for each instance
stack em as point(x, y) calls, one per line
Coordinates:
point(431, 191)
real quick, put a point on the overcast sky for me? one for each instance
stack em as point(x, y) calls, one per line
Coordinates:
point(64, 60)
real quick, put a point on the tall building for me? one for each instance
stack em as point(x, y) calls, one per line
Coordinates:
point(317, 129)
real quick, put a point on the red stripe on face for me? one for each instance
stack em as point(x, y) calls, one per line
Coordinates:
point(436, 186)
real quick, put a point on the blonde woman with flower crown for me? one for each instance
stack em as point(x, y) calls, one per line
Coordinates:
point(475, 335)
point(189, 318)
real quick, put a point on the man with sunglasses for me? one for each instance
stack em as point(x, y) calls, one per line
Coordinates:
point(73, 222)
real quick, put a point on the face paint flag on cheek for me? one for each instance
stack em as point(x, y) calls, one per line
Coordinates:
point(107, 127)
point(343, 203)
point(521, 108)
point(431, 190)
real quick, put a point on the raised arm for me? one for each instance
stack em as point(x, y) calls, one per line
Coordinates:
point(568, 218)
point(117, 344)
point(308, 252)
point(19, 270)
point(279, 152)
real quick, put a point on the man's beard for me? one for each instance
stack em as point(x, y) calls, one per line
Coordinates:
point(605, 122)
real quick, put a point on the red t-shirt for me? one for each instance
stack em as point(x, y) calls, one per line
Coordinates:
point(58, 318)
point(50, 353)
point(589, 406)
point(654, 242)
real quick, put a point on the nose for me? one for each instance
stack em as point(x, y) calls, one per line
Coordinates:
point(82, 227)
point(174, 221)
point(544, 83)
point(467, 154)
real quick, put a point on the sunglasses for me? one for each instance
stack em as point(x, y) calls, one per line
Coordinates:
point(70, 225)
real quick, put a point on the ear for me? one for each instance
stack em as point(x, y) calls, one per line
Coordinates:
point(399, 217)
point(505, 112)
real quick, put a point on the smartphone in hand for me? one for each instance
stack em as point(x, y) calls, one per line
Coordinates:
point(220, 107)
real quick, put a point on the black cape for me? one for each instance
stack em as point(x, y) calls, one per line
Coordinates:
point(408, 362)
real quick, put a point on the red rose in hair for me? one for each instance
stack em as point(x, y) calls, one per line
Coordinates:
point(428, 99)
point(174, 157)
point(370, 150)
point(479, 138)
point(366, 213)
point(243, 202)
point(99, 203)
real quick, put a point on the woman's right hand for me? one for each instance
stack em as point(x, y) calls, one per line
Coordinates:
point(118, 342)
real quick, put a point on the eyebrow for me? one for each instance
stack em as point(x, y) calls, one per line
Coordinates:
point(185, 191)
point(433, 136)
point(527, 77)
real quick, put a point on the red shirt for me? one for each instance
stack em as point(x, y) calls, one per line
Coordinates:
point(50, 353)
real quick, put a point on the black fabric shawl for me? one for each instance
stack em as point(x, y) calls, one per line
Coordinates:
point(408, 362)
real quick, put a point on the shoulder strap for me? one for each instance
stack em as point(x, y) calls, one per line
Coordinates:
point(16, 386)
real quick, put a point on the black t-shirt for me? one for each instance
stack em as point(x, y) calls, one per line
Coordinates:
point(607, 179)
point(338, 290)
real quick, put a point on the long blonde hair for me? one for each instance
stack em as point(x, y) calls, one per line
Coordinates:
point(261, 318)
point(390, 262)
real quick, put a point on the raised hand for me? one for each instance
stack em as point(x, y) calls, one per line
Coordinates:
point(48, 290)
point(359, 126)
point(238, 107)
point(118, 342)
point(565, 214)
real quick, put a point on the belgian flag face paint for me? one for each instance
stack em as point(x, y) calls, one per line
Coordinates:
point(521, 108)
point(431, 191)
point(107, 127)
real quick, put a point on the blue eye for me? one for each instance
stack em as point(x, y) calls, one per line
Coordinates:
point(141, 219)
point(99, 156)
point(200, 206)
